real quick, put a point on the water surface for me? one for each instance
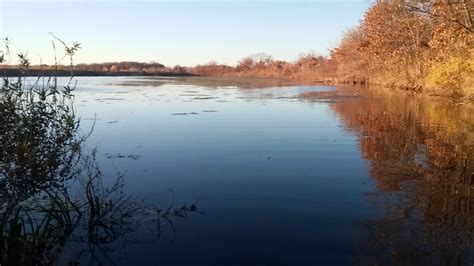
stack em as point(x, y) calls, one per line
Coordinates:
point(287, 174)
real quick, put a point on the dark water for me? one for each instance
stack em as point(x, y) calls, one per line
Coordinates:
point(286, 174)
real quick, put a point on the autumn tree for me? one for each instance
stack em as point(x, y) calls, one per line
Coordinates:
point(395, 43)
point(412, 44)
point(452, 43)
point(347, 60)
point(113, 68)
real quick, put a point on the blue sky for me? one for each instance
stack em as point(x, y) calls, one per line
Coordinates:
point(184, 33)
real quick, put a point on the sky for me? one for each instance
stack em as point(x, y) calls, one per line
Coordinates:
point(177, 32)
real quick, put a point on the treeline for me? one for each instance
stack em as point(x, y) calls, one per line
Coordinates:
point(411, 44)
point(308, 67)
point(122, 66)
point(126, 66)
point(112, 68)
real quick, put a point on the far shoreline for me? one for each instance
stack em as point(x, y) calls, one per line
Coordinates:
point(15, 72)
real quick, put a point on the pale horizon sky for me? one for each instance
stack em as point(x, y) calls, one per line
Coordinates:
point(177, 33)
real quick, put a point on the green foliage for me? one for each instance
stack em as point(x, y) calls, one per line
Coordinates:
point(40, 144)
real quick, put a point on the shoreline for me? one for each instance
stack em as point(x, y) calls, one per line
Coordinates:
point(15, 72)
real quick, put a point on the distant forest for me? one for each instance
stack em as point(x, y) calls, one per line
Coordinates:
point(126, 66)
point(151, 67)
point(102, 69)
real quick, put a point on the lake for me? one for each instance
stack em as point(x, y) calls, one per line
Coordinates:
point(286, 174)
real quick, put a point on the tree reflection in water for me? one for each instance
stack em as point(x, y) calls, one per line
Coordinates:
point(421, 156)
point(51, 191)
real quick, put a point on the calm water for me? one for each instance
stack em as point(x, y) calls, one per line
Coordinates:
point(286, 174)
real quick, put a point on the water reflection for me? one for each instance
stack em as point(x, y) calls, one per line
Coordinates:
point(421, 156)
